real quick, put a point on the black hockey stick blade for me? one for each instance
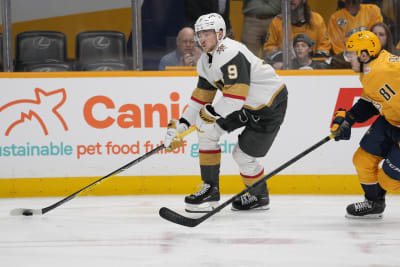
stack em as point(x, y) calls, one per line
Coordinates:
point(177, 218)
point(30, 212)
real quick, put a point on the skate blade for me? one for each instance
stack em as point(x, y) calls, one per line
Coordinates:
point(369, 216)
point(201, 208)
point(265, 207)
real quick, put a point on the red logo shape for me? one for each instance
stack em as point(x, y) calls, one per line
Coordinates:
point(33, 109)
point(346, 99)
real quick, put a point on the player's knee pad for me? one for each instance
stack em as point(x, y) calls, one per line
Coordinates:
point(388, 183)
point(366, 165)
point(248, 165)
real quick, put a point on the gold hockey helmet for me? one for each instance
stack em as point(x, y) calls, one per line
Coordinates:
point(363, 41)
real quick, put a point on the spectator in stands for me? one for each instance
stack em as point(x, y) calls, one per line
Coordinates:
point(186, 52)
point(346, 21)
point(384, 35)
point(303, 20)
point(303, 49)
point(258, 15)
point(386, 19)
point(193, 9)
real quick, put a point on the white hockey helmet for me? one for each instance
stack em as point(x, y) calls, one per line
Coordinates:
point(212, 21)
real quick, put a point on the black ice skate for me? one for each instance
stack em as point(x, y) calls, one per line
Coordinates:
point(203, 200)
point(251, 202)
point(367, 209)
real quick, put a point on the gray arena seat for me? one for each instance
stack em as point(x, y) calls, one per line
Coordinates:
point(33, 47)
point(95, 46)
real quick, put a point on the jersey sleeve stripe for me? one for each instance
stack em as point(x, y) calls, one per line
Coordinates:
point(199, 101)
point(234, 96)
point(203, 96)
point(239, 90)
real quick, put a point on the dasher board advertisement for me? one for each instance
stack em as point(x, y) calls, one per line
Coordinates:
point(84, 127)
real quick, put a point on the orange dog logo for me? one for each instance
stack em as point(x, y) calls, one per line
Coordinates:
point(43, 110)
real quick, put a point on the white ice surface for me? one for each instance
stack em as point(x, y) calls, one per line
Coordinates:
point(127, 231)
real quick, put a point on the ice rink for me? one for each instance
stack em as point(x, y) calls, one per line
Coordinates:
point(300, 230)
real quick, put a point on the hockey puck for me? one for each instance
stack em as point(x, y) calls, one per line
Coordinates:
point(27, 213)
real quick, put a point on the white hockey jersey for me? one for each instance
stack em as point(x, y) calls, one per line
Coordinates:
point(243, 78)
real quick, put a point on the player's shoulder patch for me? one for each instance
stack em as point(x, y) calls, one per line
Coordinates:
point(225, 52)
point(221, 48)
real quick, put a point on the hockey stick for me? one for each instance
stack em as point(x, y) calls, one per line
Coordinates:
point(177, 218)
point(30, 212)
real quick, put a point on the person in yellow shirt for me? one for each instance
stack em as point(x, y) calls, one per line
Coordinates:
point(379, 75)
point(346, 21)
point(303, 21)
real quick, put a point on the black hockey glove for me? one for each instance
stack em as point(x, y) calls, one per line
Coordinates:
point(341, 124)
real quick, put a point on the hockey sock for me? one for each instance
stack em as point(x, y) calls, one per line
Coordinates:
point(210, 161)
point(210, 174)
point(374, 192)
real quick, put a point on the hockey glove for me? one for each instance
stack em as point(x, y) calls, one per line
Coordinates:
point(206, 118)
point(171, 142)
point(341, 125)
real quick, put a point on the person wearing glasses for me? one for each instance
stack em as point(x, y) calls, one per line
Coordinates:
point(186, 53)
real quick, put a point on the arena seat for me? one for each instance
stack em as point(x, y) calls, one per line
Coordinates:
point(100, 46)
point(33, 47)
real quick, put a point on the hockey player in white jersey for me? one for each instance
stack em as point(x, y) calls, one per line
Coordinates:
point(253, 97)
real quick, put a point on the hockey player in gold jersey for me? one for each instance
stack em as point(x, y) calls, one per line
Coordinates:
point(254, 98)
point(379, 74)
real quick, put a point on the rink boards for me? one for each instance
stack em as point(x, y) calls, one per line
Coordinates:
point(61, 131)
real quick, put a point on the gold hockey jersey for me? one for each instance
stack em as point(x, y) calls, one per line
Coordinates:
point(342, 24)
point(381, 82)
point(317, 32)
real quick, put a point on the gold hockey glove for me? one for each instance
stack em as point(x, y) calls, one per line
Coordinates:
point(206, 118)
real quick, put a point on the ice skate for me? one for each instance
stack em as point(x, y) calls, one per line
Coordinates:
point(203, 200)
point(367, 209)
point(251, 202)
